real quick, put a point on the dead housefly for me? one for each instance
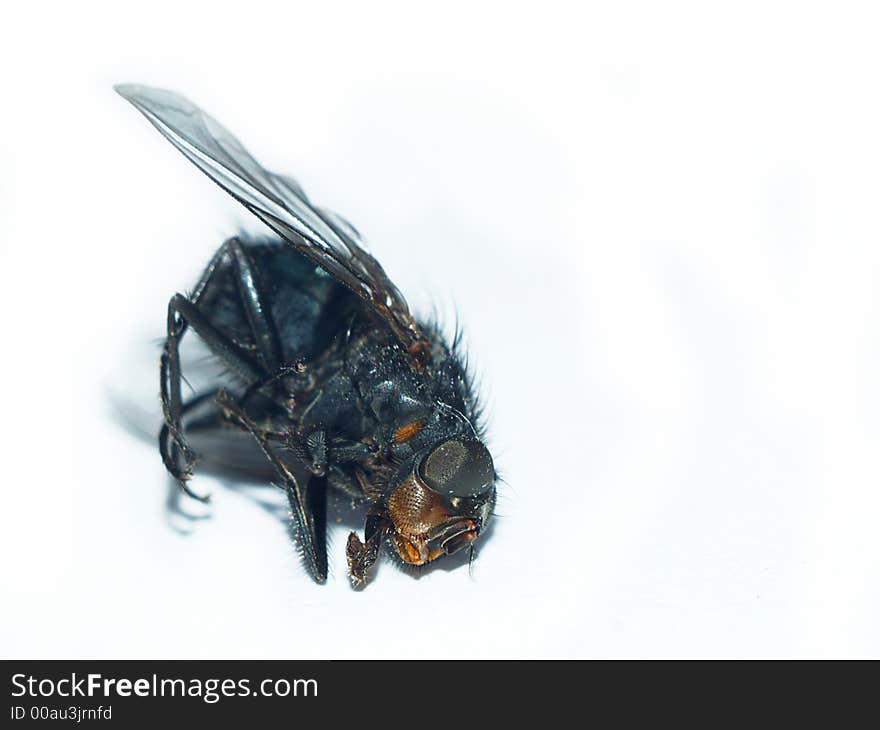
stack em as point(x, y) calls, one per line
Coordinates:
point(335, 380)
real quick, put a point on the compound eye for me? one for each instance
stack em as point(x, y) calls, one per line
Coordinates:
point(458, 468)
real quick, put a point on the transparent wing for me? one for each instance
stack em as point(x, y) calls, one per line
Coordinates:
point(321, 235)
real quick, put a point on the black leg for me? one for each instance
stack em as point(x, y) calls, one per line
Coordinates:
point(170, 449)
point(178, 457)
point(292, 377)
point(307, 505)
point(255, 307)
point(176, 454)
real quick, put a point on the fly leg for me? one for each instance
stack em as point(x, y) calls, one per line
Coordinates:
point(308, 504)
point(176, 453)
point(363, 555)
point(290, 377)
point(184, 312)
point(337, 458)
point(168, 448)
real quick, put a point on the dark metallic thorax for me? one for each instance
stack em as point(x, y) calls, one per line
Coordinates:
point(357, 385)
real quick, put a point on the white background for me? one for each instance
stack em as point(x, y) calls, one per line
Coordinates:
point(660, 229)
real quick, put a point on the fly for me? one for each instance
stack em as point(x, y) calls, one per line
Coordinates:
point(335, 383)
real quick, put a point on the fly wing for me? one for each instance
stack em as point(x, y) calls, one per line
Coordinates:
point(324, 237)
